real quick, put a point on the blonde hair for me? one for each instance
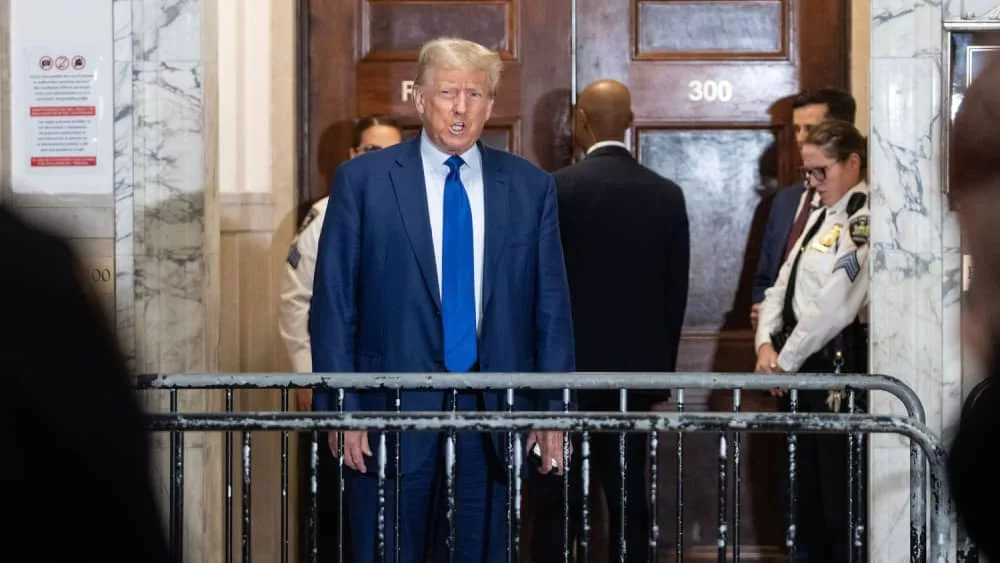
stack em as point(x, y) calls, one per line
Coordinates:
point(454, 53)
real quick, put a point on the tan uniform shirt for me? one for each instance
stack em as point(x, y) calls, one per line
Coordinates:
point(831, 287)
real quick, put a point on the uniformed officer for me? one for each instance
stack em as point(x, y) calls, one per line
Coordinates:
point(810, 321)
point(370, 133)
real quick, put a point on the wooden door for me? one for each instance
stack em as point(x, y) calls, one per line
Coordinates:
point(363, 60)
point(711, 83)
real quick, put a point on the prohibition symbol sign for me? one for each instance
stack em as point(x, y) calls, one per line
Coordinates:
point(45, 63)
point(62, 63)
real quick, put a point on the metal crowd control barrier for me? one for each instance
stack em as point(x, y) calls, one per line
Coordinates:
point(735, 423)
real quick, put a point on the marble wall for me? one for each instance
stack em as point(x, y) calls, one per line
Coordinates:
point(916, 278)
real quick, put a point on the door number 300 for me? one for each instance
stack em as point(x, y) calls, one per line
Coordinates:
point(710, 91)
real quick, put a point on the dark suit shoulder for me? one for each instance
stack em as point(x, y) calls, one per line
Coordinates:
point(621, 171)
point(790, 193)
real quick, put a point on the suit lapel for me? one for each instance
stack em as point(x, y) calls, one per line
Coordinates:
point(497, 213)
point(411, 196)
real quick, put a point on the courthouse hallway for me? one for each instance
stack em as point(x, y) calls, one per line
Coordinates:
point(216, 121)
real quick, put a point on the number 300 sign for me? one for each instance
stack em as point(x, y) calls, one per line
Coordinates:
point(710, 91)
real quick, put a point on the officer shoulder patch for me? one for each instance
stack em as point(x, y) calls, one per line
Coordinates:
point(859, 230)
point(313, 213)
point(293, 256)
point(849, 264)
point(856, 202)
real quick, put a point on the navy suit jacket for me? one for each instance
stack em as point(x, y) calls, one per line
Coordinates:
point(376, 305)
point(779, 226)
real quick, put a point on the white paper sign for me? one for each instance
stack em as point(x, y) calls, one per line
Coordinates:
point(62, 97)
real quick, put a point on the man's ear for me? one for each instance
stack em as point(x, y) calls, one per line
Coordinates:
point(418, 99)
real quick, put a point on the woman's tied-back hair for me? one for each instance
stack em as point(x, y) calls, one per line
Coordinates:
point(454, 53)
point(365, 123)
point(839, 140)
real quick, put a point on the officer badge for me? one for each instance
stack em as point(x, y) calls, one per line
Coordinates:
point(829, 239)
point(859, 230)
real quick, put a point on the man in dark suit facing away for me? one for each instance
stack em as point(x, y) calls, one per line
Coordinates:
point(626, 242)
point(792, 204)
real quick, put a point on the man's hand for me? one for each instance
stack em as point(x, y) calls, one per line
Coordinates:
point(767, 362)
point(303, 399)
point(754, 315)
point(355, 448)
point(551, 446)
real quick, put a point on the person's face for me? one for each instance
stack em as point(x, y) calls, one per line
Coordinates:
point(805, 119)
point(454, 107)
point(831, 178)
point(376, 137)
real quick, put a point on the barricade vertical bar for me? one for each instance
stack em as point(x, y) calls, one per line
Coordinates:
point(654, 476)
point(791, 540)
point(852, 467)
point(518, 463)
point(396, 456)
point(585, 494)
point(723, 498)
point(284, 482)
point(229, 483)
point(314, 446)
point(380, 546)
point(340, 478)
point(246, 497)
point(918, 506)
point(449, 464)
point(510, 481)
point(565, 481)
point(622, 468)
point(860, 490)
point(737, 438)
point(176, 487)
point(679, 539)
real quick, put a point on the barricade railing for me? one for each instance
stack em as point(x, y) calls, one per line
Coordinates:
point(730, 425)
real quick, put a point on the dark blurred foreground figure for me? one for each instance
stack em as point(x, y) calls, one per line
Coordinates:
point(74, 468)
point(975, 188)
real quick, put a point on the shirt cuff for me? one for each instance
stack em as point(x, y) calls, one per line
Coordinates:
point(787, 364)
point(760, 340)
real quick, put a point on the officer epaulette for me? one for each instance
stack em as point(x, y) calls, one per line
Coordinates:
point(856, 202)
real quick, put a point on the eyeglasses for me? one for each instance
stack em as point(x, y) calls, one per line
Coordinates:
point(819, 173)
point(368, 148)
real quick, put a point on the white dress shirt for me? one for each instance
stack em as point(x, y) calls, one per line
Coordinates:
point(602, 144)
point(435, 175)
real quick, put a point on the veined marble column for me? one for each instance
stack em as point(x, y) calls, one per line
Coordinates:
point(166, 230)
point(916, 270)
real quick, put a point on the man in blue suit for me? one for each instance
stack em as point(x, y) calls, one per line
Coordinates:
point(792, 204)
point(441, 255)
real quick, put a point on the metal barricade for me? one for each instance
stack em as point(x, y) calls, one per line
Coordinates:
point(727, 424)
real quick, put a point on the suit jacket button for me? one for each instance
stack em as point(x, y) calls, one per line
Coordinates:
point(437, 312)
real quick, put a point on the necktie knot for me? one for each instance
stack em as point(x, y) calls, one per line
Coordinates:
point(453, 163)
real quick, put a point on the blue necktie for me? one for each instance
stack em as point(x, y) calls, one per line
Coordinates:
point(458, 285)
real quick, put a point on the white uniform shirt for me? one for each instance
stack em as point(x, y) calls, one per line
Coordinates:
point(831, 287)
point(297, 288)
point(435, 174)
